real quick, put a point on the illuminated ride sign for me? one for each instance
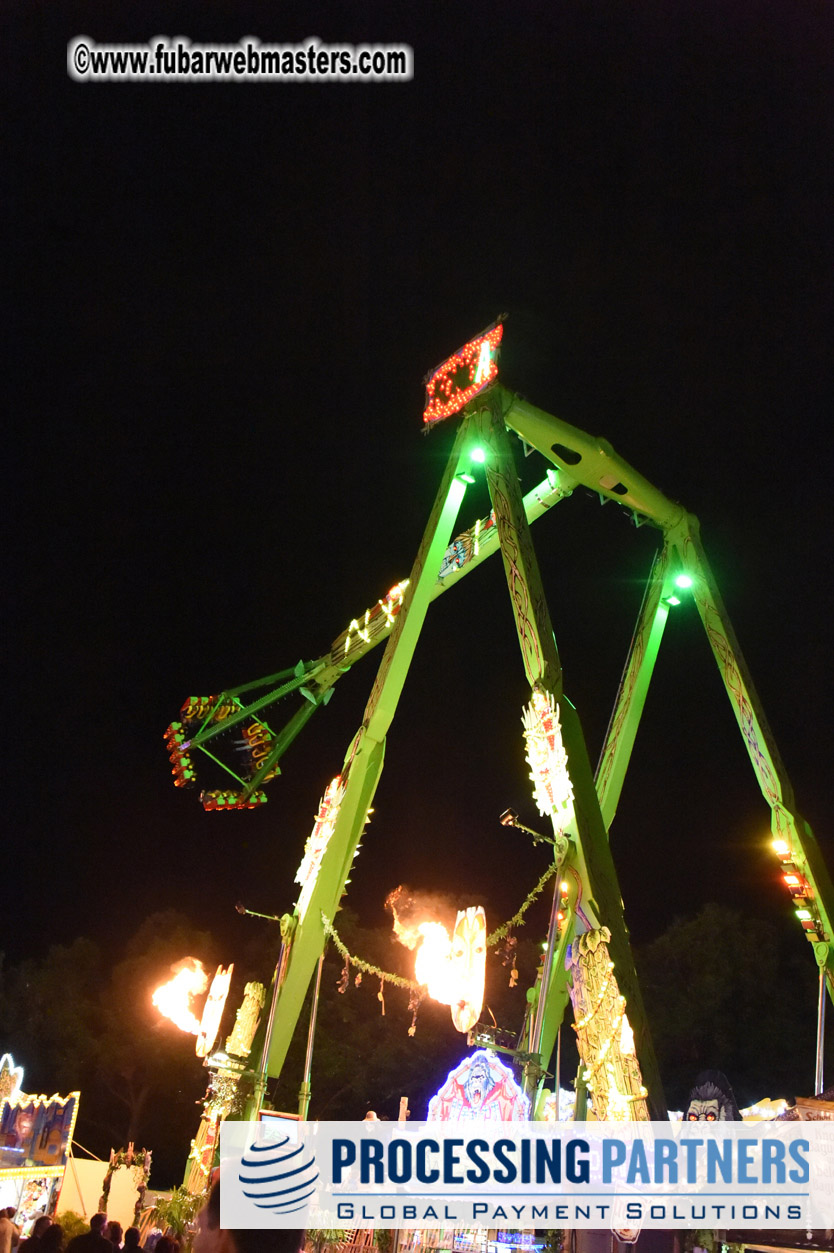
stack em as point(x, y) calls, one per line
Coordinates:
point(454, 383)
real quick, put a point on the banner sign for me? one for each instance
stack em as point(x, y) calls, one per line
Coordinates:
point(527, 1175)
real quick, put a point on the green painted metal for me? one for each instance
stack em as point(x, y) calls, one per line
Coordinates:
point(590, 461)
point(579, 459)
point(594, 463)
point(363, 766)
point(787, 824)
point(480, 541)
point(591, 854)
point(634, 686)
point(316, 679)
point(209, 730)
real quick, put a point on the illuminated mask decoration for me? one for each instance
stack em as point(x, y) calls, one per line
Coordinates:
point(480, 1089)
point(452, 967)
point(552, 787)
point(467, 967)
point(603, 1033)
point(11, 1077)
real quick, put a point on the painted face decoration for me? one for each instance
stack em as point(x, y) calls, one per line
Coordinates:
point(467, 967)
point(712, 1099)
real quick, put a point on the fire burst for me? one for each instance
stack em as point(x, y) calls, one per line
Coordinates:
point(452, 967)
point(173, 999)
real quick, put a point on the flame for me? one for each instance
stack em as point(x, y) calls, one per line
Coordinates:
point(451, 965)
point(431, 965)
point(432, 942)
point(173, 999)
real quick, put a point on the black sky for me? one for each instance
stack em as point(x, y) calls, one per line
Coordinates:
point(223, 300)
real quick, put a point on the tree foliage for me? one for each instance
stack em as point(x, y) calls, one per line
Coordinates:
point(727, 991)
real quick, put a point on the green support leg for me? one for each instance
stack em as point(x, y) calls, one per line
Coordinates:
point(591, 854)
point(634, 685)
point(794, 840)
point(363, 766)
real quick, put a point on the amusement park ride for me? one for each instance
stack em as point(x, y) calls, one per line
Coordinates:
point(588, 960)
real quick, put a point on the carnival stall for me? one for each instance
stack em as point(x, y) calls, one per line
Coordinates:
point(35, 1138)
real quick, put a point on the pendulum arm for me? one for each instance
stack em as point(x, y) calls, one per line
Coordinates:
point(314, 680)
point(589, 854)
point(304, 934)
point(589, 460)
point(463, 555)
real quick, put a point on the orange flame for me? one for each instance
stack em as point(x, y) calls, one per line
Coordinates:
point(433, 944)
point(431, 965)
point(452, 966)
point(173, 999)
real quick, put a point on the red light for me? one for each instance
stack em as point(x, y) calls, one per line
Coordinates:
point(466, 373)
point(232, 800)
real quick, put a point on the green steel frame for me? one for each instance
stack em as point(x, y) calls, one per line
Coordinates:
point(577, 459)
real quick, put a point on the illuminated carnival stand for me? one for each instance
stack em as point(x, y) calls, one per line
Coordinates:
point(588, 962)
point(35, 1139)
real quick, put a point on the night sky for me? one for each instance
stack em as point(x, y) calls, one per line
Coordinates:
point(224, 298)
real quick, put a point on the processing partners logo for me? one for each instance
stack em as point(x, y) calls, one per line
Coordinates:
point(519, 1175)
point(276, 1177)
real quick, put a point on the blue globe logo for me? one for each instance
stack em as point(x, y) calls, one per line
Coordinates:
point(278, 1178)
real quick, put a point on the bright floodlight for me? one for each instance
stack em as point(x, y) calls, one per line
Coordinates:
point(478, 454)
point(683, 580)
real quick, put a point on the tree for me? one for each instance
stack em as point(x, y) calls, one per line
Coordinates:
point(50, 1009)
point(734, 993)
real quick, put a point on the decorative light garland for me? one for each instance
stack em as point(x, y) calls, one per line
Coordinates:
point(140, 1163)
point(418, 990)
point(367, 968)
point(517, 919)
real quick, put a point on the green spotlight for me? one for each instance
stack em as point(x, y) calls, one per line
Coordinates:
point(672, 600)
point(478, 454)
point(683, 580)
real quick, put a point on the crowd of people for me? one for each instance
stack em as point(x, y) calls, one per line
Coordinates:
point(105, 1236)
point(47, 1236)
